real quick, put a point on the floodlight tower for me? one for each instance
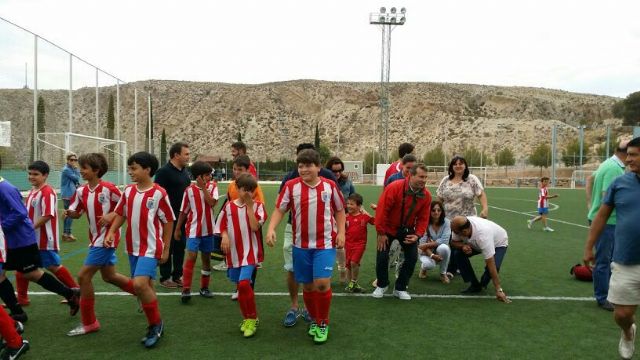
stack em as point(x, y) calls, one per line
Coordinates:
point(387, 22)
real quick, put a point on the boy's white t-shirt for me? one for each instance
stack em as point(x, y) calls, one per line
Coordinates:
point(485, 236)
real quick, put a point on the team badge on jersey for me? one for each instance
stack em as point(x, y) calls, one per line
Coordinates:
point(34, 203)
point(325, 196)
point(151, 203)
point(102, 198)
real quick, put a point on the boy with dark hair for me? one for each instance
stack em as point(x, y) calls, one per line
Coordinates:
point(96, 198)
point(242, 243)
point(318, 222)
point(239, 148)
point(396, 166)
point(147, 209)
point(23, 255)
point(355, 239)
point(198, 202)
point(543, 204)
point(42, 205)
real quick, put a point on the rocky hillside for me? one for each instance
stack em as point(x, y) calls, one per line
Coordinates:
point(274, 117)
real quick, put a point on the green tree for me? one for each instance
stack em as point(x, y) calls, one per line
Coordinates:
point(434, 157)
point(163, 147)
point(325, 154)
point(370, 159)
point(601, 149)
point(618, 109)
point(541, 157)
point(111, 121)
point(505, 158)
point(630, 109)
point(472, 155)
point(239, 136)
point(316, 139)
point(571, 154)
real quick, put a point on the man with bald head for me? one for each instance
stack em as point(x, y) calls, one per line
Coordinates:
point(597, 185)
point(473, 235)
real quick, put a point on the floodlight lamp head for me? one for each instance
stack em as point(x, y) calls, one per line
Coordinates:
point(393, 20)
point(383, 10)
point(402, 20)
point(382, 19)
point(393, 10)
point(403, 10)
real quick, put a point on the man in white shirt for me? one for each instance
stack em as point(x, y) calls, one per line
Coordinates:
point(474, 235)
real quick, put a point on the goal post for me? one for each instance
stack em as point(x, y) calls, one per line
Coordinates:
point(579, 178)
point(53, 147)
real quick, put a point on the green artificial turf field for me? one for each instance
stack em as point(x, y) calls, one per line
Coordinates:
point(551, 316)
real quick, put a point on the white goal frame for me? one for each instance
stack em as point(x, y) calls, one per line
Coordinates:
point(580, 177)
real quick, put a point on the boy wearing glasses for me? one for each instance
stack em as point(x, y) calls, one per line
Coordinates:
point(68, 184)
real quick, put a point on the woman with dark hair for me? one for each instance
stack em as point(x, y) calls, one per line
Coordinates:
point(434, 247)
point(336, 166)
point(459, 189)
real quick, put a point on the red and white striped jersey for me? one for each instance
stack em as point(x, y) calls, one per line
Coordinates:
point(312, 212)
point(543, 195)
point(44, 202)
point(245, 245)
point(96, 203)
point(3, 245)
point(146, 212)
point(200, 220)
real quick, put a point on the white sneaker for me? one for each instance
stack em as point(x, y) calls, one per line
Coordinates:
point(234, 296)
point(220, 267)
point(402, 295)
point(379, 292)
point(627, 347)
point(529, 223)
point(548, 229)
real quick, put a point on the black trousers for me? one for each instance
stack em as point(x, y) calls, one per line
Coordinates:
point(408, 265)
point(173, 267)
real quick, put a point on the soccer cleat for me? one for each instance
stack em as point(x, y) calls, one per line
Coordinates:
point(74, 302)
point(313, 329)
point(379, 292)
point(234, 296)
point(304, 314)
point(22, 317)
point(250, 327)
point(243, 325)
point(19, 327)
point(221, 267)
point(349, 287)
point(548, 229)
point(12, 354)
point(205, 293)
point(290, 318)
point(186, 296)
point(357, 288)
point(84, 329)
point(529, 223)
point(322, 334)
point(626, 348)
point(154, 334)
point(402, 295)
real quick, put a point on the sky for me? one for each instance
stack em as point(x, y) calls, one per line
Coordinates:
point(582, 46)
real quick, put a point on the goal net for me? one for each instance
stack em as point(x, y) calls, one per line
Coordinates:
point(53, 148)
point(579, 178)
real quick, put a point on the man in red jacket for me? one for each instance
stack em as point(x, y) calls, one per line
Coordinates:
point(403, 215)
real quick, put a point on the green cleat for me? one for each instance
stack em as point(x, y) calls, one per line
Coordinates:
point(357, 288)
point(322, 334)
point(349, 287)
point(243, 325)
point(313, 329)
point(250, 327)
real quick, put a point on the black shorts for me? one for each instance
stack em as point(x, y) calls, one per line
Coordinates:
point(23, 259)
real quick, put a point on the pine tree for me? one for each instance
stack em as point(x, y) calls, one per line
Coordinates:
point(163, 147)
point(316, 140)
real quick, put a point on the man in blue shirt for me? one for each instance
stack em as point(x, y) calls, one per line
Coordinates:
point(70, 179)
point(408, 162)
point(624, 286)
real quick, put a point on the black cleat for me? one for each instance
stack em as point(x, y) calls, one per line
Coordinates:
point(12, 354)
point(186, 296)
point(74, 302)
point(205, 293)
point(153, 335)
point(22, 317)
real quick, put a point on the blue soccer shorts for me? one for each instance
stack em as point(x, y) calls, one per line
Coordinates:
point(201, 243)
point(143, 266)
point(49, 258)
point(241, 273)
point(543, 211)
point(101, 256)
point(310, 264)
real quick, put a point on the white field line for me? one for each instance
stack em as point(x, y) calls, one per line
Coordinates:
point(366, 295)
point(528, 215)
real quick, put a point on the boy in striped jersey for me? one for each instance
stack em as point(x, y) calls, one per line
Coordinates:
point(543, 205)
point(96, 198)
point(147, 209)
point(241, 220)
point(318, 225)
point(42, 207)
point(198, 202)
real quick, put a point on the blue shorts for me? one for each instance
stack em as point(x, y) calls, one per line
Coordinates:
point(241, 273)
point(310, 264)
point(543, 211)
point(49, 258)
point(201, 243)
point(217, 240)
point(101, 256)
point(1, 267)
point(143, 266)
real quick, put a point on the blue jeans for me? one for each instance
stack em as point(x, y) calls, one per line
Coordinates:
point(466, 270)
point(602, 268)
point(67, 220)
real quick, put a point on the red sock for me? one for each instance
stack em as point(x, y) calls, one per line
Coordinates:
point(310, 303)
point(324, 305)
point(187, 274)
point(247, 298)
point(153, 312)
point(8, 330)
point(65, 277)
point(87, 312)
point(129, 287)
point(204, 279)
point(22, 286)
